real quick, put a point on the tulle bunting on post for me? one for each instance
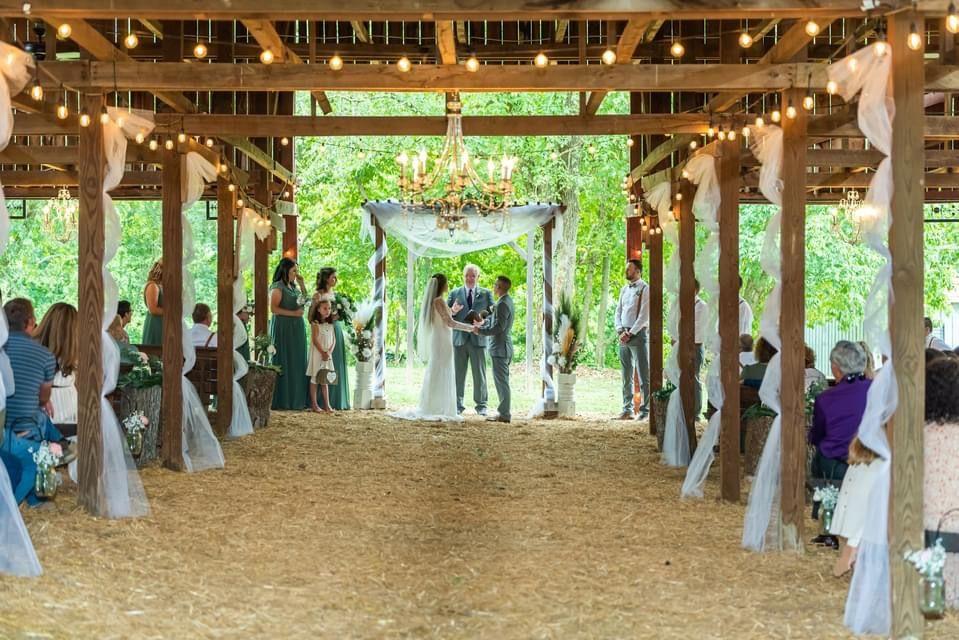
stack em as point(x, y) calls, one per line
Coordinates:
point(702, 172)
point(867, 73)
point(17, 555)
point(758, 534)
point(240, 422)
point(201, 450)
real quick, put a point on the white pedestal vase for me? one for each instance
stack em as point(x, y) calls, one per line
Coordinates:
point(363, 391)
point(566, 400)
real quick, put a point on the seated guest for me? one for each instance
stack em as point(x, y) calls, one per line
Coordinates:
point(838, 411)
point(6, 374)
point(870, 371)
point(58, 333)
point(244, 316)
point(117, 328)
point(849, 518)
point(941, 481)
point(29, 408)
point(746, 355)
point(933, 341)
point(200, 332)
point(813, 375)
point(153, 299)
point(752, 375)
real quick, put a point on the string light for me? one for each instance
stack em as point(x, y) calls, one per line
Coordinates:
point(284, 141)
point(266, 56)
point(36, 92)
point(808, 102)
point(153, 144)
point(791, 111)
point(209, 142)
point(679, 196)
point(760, 123)
point(775, 116)
point(472, 64)
point(26, 7)
point(120, 121)
point(677, 49)
point(223, 167)
point(84, 118)
point(181, 137)
point(62, 111)
point(952, 19)
point(239, 202)
point(745, 131)
point(812, 28)
point(231, 187)
point(832, 88)
point(131, 41)
point(914, 40)
point(609, 56)
point(721, 134)
point(693, 144)
point(200, 50)
point(731, 135)
point(540, 60)
point(64, 31)
point(139, 137)
point(710, 132)
point(336, 62)
point(745, 40)
point(168, 144)
point(404, 64)
point(104, 115)
point(630, 142)
point(881, 49)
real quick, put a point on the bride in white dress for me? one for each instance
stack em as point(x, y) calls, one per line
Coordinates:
point(434, 345)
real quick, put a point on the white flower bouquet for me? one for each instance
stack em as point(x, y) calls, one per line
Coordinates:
point(364, 327)
point(263, 352)
point(929, 561)
point(47, 456)
point(566, 338)
point(134, 425)
point(828, 496)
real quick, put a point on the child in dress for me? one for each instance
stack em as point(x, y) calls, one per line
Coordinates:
point(322, 342)
point(849, 518)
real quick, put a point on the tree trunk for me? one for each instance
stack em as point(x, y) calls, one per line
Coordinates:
point(565, 257)
point(588, 295)
point(146, 400)
point(601, 320)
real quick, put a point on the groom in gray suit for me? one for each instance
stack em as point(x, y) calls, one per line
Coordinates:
point(499, 328)
point(469, 348)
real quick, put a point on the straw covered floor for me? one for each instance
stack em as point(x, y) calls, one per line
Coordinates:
point(360, 526)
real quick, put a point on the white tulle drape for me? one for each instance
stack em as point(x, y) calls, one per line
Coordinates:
point(17, 555)
point(702, 172)
point(240, 422)
point(867, 73)
point(201, 450)
point(675, 438)
point(123, 494)
point(758, 532)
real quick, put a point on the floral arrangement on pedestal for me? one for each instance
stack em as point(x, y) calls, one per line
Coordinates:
point(930, 562)
point(47, 456)
point(262, 353)
point(567, 340)
point(259, 382)
point(134, 425)
point(363, 346)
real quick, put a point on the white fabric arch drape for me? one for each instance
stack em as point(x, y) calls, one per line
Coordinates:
point(17, 555)
point(123, 494)
point(240, 422)
point(867, 73)
point(767, 146)
point(201, 450)
point(702, 172)
point(675, 438)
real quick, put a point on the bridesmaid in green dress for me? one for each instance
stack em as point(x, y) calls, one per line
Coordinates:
point(326, 281)
point(288, 335)
point(153, 297)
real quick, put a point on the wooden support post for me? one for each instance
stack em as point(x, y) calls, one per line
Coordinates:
point(729, 319)
point(90, 317)
point(261, 274)
point(687, 309)
point(655, 252)
point(225, 261)
point(286, 156)
point(172, 407)
point(792, 322)
point(906, 246)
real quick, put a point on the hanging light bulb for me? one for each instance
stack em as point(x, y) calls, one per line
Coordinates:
point(404, 64)
point(832, 88)
point(200, 50)
point(630, 142)
point(791, 111)
point(120, 121)
point(609, 56)
point(239, 202)
point(808, 102)
point(731, 135)
point(104, 115)
point(209, 142)
point(693, 144)
point(472, 64)
point(131, 41)
point(881, 48)
point(168, 144)
point(336, 62)
point(952, 19)
point(36, 92)
point(181, 137)
point(153, 144)
point(760, 123)
point(721, 134)
point(26, 7)
point(62, 111)
point(140, 137)
point(914, 40)
point(64, 31)
point(231, 187)
point(84, 117)
point(223, 167)
point(284, 141)
point(677, 49)
point(266, 56)
point(745, 40)
point(540, 60)
point(710, 132)
point(745, 131)
point(679, 196)
point(775, 116)
point(812, 28)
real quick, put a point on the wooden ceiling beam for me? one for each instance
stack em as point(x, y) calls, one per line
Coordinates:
point(35, 178)
point(632, 34)
point(360, 31)
point(153, 27)
point(559, 34)
point(446, 42)
point(18, 154)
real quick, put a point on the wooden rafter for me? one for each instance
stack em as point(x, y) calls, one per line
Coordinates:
point(632, 34)
point(560, 33)
point(153, 27)
point(360, 31)
point(446, 42)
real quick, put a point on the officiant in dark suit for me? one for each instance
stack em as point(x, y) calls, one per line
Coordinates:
point(470, 349)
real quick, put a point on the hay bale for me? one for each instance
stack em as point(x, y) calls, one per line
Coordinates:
point(148, 401)
point(658, 410)
point(757, 429)
point(258, 386)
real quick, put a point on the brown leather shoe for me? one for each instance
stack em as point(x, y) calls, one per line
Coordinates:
point(625, 415)
point(498, 419)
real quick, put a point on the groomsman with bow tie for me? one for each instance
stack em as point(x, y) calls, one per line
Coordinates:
point(469, 348)
point(632, 322)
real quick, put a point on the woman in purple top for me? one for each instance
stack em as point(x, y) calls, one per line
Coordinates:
point(838, 411)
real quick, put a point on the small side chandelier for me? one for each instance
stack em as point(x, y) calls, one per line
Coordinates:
point(452, 185)
point(851, 217)
point(59, 218)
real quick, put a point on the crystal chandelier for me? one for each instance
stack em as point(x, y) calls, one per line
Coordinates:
point(60, 216)
point(850, 216)
point(452, 185)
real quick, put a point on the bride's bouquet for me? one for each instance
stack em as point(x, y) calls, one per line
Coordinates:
point(567, 336)
point(364, 327)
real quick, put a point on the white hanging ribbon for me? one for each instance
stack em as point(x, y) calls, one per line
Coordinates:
point(240, 422)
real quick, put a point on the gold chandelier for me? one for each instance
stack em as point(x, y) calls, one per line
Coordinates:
point(851, 216)
point(59, 219)
point(452, 180)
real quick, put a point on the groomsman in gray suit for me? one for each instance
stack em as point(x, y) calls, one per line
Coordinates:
point(632, 321)
point(499, 328)
point(469, 348)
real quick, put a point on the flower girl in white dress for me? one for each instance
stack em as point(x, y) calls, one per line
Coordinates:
point(322, 341)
